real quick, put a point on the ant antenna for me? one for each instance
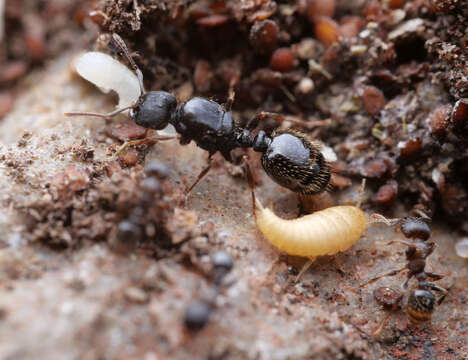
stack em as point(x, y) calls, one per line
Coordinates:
point(104, 116)
point(124, 51)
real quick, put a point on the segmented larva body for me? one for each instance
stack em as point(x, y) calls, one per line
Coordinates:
point(324, 232)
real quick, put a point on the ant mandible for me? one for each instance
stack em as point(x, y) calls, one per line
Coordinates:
point(288, 157)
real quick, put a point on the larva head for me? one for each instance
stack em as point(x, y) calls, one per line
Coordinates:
point(421, 304)
point(293, 161)
point(154, 109)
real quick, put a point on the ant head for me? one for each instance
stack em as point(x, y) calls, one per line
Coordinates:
point(415, 228)
point(421, 304)
point(154, 109)
point(293, 161)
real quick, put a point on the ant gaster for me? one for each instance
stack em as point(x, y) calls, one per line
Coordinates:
point(289, 158)
point(421, 301)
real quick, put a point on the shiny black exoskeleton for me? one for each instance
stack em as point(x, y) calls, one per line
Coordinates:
point(289, 158)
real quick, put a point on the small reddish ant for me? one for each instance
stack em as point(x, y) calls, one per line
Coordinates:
point(421, 301)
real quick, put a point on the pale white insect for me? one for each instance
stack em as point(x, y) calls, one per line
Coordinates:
point(108, 74)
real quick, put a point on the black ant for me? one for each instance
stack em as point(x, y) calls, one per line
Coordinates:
point(421, 301)
point(289, 158)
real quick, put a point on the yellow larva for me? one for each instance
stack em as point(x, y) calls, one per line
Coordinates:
point(324, 232)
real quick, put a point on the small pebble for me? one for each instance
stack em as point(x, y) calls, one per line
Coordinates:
point(136, 295)
point(461, 248)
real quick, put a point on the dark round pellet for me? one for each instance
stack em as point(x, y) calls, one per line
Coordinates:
point(223, 260)
point(151, 185)
point(157, 168)
point(129, 232)
point(197, 315)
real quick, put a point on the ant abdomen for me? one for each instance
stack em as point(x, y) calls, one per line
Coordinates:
point(294, 161)
point(421, 304)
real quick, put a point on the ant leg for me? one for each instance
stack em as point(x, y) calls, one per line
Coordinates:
point(407, 243)
point(200, 176)
point(123, 48)
point(379, 329)
point(253, 123)
point(377, 218)
point(104, 116)
point(391, 273)
point(305, 267)
point(431, 286)
point(250, 181)
point(147, 140)
point(435, 277)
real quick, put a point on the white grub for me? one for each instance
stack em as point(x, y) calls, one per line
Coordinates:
point(324, 232)
point(108, 74)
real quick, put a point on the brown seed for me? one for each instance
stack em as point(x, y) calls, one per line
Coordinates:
point(387, 297)
point(460, 113)
point(387, 193)
point(317, 8)
point(203, 75)
point(396, 4)
point(261, 14)
point(340, 181)
point(351, 26)
point(264, 36)
point(268, 77)
point(326, 30)
point(213, 20)
point(375, 168)
point(282, 59)
point(454, 200)
point(373, 100)
point(438, 119)
point(410, 148)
